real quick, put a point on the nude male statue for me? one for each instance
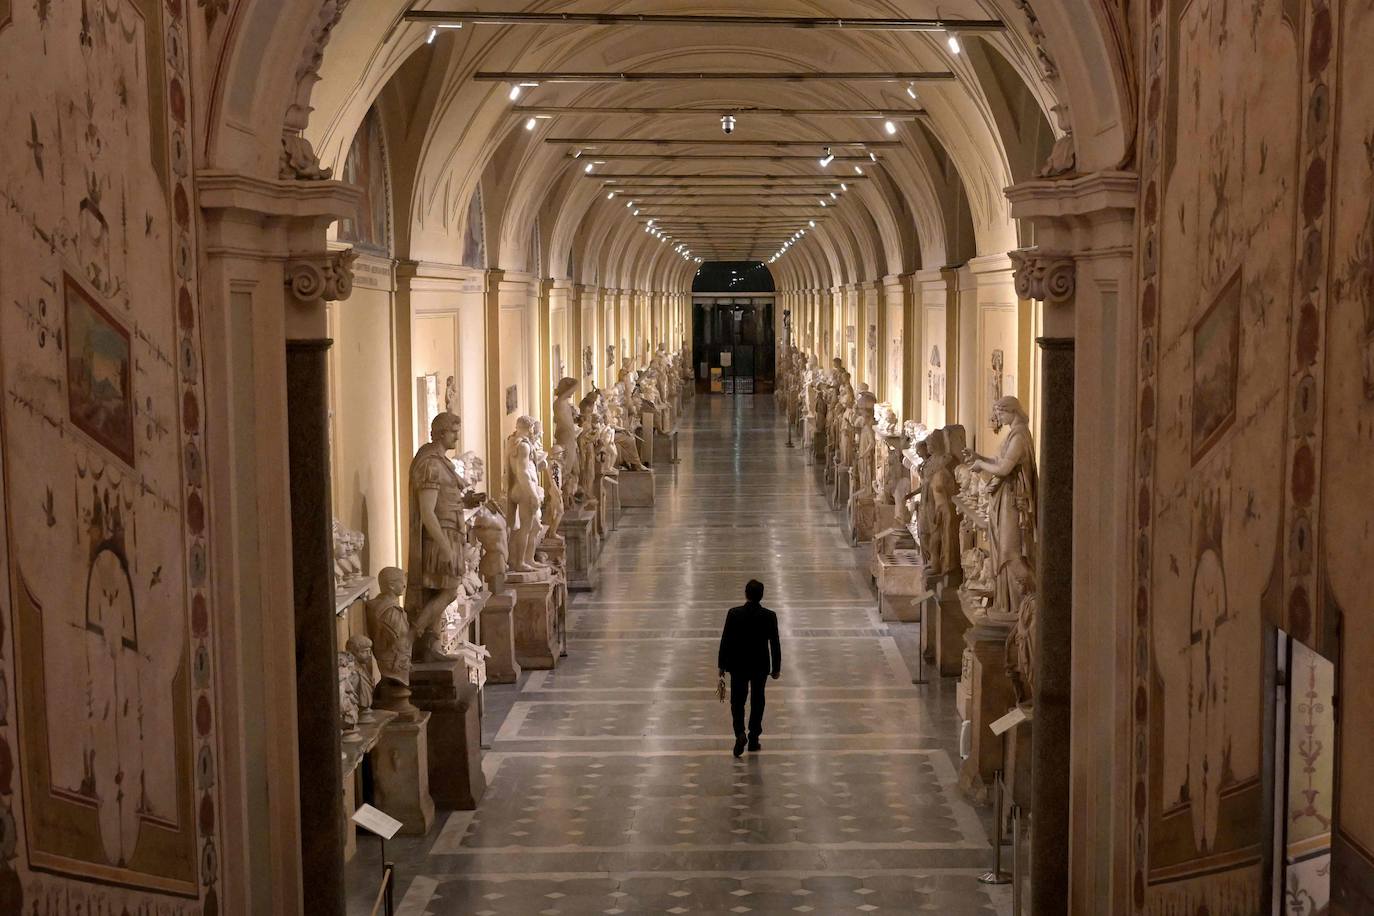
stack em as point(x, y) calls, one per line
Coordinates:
point(523, 496)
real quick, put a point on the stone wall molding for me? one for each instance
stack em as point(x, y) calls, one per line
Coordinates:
point(298, 158)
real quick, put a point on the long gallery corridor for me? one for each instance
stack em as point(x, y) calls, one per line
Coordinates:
point(612, 788)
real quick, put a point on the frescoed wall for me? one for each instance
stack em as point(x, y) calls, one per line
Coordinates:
point(109, 715)
point(1255, 408)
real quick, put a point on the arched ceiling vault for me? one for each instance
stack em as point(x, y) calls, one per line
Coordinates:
point(448, 132)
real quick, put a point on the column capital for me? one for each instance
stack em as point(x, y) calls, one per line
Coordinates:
point(1089, 213)
point(323, 275)
point(1049, 276)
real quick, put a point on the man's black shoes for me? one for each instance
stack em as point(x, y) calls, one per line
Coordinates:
point(754, 745)
point(739, 747)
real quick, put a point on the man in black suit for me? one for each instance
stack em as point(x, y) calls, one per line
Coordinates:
point(750, 636)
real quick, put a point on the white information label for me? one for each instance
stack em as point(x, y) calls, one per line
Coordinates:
point(376, 821)
point(1015, 717)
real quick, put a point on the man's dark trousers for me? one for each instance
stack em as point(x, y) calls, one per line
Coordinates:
point(742, 687)
point(750, 651)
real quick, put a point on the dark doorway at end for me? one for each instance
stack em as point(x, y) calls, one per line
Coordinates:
point(734, 327)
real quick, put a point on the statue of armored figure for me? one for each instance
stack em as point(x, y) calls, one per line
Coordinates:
point(1012, 490)
point(565, 436)
point(523, 496)
point(438, 498)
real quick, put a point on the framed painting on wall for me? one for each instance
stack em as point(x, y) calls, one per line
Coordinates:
point(99, 383)
point(1216, 368)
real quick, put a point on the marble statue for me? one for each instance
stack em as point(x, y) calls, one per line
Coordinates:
point(939, 521)
point(523, 496)
point(1011, 505)
point(565, 436)
point(587, 436)
point(555, 502)
point(359, 649)
point(451, 396)
point(865, 450)
point(489, 527)
point(389, 628)
point(621, 420)
point(348, 699)
point(438, 498)
point(348, 556)
point(894, 482)
point(1022, 648)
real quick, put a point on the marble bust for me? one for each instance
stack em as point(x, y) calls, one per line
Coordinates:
point(389, 628)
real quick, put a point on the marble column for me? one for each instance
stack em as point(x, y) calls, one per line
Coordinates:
point(312, 580)
point(1051, 738)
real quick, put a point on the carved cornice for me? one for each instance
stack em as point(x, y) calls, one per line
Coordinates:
point(327, 276)
point(1045, 275)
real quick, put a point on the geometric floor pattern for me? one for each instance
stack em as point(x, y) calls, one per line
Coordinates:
point(611, 788)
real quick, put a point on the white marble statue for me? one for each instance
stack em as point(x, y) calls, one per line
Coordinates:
point(565, 435)
point(348, 556)
point(1012, 490)
point(523, 496)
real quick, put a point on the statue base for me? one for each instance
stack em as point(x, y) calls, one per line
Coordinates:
point(498, 635)
point(947, 624)
point(860, 518)
point(369, 732)
point(901, 586)
point(610, 505)
point(665, 446)
point(579, 535)
point(647, 453)
point(839, 488)
point(884, 517)
point(536, 625)
point(455, 733)
point(400, 771)
point(991, 696)
point(637, 489)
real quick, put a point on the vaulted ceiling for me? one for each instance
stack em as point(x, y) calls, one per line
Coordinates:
point(923, 161)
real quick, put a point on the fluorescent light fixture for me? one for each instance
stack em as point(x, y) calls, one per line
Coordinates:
point(953, 42)
point(430, 39)
point(529, 125)
point(636, 213)
point(610, 196)
point(629, 205)
point(873, 157)
point(590, 166)
point(828, 158)
point(843, 187)
point(834, 196)
point(824, 204)
point(858, 170)
point(812, 222)
point(890, 127)
point(515, 93)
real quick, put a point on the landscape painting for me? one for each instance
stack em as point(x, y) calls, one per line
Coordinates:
point(1216, 363)
point(98, 373)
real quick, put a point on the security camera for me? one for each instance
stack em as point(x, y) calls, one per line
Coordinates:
point(727, 124)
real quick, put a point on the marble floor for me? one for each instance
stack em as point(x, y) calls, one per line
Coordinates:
point(612, 789)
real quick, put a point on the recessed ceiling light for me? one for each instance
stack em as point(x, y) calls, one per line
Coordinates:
point(529, 125)
point(890, 127)
point(515, 93)
point(953, 43)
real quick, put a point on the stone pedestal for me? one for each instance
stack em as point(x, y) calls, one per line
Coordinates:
point(665, 446)
point(498, 635)
point(579, 535)
point(400, 774)
point(637, 489)
point(947, 625)
point(646, 439)
point(455, 734)
point(860, 519)
point(839, 488)
point(536, 621)
point(901, 586)
point(610, 504)
point(369, 732)
point(992, 697)
point(884, 517)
